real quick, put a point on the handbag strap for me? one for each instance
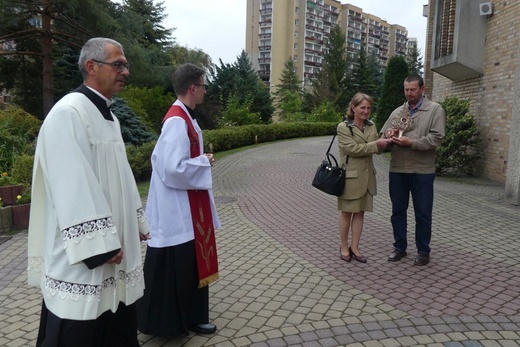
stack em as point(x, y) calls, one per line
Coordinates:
point(330, 146)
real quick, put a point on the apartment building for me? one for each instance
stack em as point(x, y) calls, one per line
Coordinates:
point(378, 36)
point(277, 30)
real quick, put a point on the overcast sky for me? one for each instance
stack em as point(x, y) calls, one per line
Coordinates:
point(219, 27)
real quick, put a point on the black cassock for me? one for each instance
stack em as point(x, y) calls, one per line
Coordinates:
point(172, 301)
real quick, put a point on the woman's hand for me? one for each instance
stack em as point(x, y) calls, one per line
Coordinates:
point(383, 143)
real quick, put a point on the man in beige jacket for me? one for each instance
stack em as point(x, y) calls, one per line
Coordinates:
point(412, 167)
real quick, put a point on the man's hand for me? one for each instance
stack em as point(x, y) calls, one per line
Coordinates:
point(391, 133)
point(402, 141)
point(116, 259)
point(210, 158)
point(144, 237)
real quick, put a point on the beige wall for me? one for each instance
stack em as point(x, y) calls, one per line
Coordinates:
point(491, 94)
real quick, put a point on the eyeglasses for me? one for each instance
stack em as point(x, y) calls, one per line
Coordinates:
point(117, 65)
point(202, 85)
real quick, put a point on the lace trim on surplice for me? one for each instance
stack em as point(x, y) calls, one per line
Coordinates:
point(88, 229)
point(35, 264)
point(141, 216)
point(90, 291)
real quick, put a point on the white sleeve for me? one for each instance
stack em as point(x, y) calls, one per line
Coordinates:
point(171, 159)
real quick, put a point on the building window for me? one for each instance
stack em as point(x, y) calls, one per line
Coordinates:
point(445, 28)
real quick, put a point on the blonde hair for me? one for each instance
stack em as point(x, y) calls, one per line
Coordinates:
point(356, 100)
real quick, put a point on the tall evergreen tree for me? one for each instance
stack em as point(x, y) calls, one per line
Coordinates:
point(392, 94)
point(240, 79)
point(414, 61)
point(36, 28)
point(289, 89)
point(333, 82)
point(47, 35)
point(146, 41)
point(364, 74)
point(145, 18)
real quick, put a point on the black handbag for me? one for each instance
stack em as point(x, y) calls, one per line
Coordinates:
point(330, 178)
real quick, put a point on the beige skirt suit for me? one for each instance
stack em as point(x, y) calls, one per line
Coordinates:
point(359, 145)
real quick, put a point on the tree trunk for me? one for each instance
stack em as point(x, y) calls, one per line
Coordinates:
point(48, 77)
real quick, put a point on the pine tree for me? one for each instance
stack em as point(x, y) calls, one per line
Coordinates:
point(333, 82)
point(288, 93)
point(239, 79)
point(132, 129)
point(364, 74)
point(414, 61)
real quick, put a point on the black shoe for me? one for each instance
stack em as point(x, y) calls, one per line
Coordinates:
point(204, 328)
point(422, 259)
point(396, 255)
point(359, 258)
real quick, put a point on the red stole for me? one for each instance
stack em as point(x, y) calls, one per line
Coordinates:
point(205, 244)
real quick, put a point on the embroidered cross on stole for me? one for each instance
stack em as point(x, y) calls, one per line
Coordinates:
point(205, 243)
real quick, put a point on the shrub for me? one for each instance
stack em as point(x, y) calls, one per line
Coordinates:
point(224, 139)
point(132, 129)
point(139, 158)
point(238, 113)
point(325, 112)
point(235, 137)
point(459, 151)
point(149, 104)
point(23, 168)
point(18, 130)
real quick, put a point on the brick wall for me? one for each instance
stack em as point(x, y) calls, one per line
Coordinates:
point(492, 94)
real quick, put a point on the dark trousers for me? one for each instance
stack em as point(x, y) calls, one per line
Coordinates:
point(111, 329)
point(421, 188)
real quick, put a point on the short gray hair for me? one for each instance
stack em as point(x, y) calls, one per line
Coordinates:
point(95, 49)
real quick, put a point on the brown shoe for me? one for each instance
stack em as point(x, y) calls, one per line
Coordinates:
point(396, 255)
point(421, 259)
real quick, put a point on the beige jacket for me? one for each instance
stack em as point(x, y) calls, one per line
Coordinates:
point(429, 128)
point(359, 146)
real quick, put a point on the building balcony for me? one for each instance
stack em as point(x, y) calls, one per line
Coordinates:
point(266, 11)
point(264, 48)
point(311, 63)
point(264, 73)
point(265, 36)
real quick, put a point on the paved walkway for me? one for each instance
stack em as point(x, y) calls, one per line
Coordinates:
point(282, 282)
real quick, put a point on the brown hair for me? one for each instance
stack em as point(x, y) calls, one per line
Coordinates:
point(356, 100)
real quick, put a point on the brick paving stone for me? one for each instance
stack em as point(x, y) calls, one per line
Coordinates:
point(281, 278)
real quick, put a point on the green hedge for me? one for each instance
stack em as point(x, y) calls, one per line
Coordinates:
point(234, 137)
point(224, 139)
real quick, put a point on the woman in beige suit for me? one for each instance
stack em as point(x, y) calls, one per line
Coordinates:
point(358, 140)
